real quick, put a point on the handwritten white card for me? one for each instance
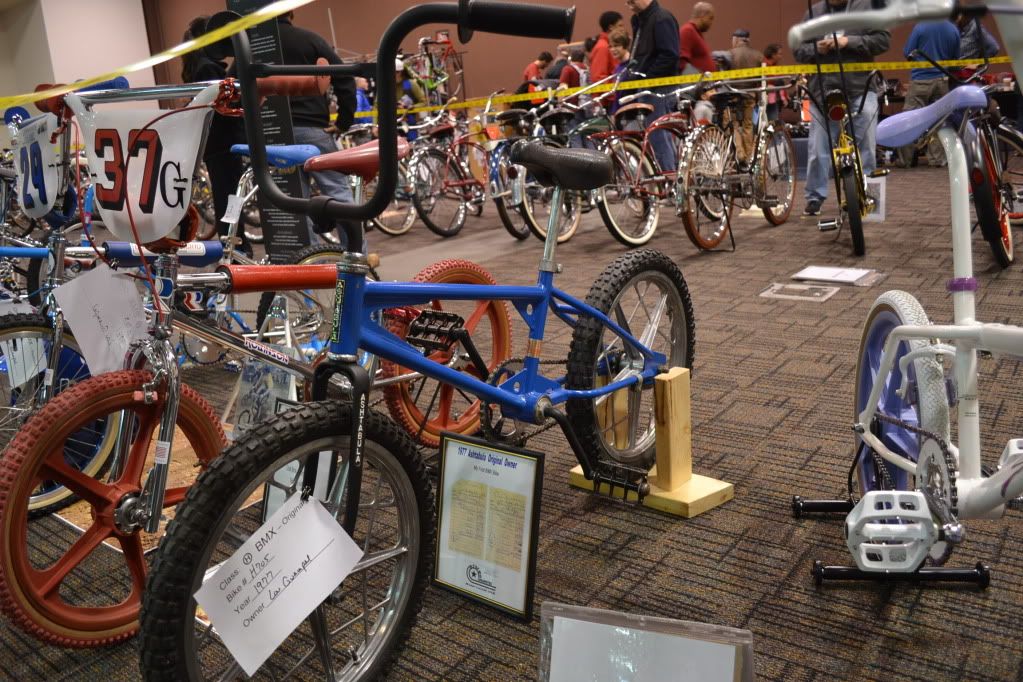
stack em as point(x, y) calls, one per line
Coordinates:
point(104, 310)
point(274, 581)
point(234, 209)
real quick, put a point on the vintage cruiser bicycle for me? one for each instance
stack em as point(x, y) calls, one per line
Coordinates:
point(712, 179)
point(917, 487)
point(637, 320)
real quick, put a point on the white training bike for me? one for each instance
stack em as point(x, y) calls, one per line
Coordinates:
point(917, 487)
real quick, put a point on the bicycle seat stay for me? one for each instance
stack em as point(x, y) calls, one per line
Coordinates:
point(909, 126)
point(282, 155)
point(572, 168)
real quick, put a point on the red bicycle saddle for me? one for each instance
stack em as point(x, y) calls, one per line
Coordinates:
point(363, 160)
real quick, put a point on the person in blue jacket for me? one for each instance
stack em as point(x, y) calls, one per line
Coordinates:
point(938, 40)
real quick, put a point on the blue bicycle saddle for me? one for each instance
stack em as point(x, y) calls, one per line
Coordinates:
point(906, 128)
point(282, 156)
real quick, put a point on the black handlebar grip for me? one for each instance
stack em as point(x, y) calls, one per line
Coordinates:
point(516, 19)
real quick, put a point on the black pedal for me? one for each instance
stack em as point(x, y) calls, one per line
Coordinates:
point(435, 330)
point(770, 201)
point(611, 477)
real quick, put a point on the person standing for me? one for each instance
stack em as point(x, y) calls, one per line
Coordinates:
point(310, 116)
point(655, 54)
point(975, 42)
point(776, 99)
point(224, 168)
point(742, 56)
point(602, 62)
point(848, 47)
point(695, 55)
point(536, 69)
point(938, 40)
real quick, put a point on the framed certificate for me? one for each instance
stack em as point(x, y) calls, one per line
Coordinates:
point(488, 511)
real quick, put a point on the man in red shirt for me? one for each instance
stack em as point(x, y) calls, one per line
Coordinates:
point(537, 67)
point(602, 63)
point(695, 54)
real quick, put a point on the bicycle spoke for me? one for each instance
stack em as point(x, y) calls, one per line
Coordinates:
point(135, 558)
point(51, 579)
point(86, 487)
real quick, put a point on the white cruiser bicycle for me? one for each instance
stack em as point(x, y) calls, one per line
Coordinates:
point(917, 487)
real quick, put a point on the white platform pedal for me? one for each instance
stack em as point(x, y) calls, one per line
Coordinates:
point(890, 530)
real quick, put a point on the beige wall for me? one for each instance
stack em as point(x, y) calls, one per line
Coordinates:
point(91, 38)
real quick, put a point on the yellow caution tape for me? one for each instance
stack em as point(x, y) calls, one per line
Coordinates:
point(283, 6)
point(734, 74)
point(248, 21)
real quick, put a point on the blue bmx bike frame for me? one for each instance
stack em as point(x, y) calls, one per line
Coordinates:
point(358, 300)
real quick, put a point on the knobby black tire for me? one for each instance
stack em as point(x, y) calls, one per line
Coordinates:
point(167, 615)
point(310, 254)
point(850, 188)
point(448, 164)
point(587, 345)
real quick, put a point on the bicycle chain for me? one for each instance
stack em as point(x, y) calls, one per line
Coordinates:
point(486, 416)
point(950, 463)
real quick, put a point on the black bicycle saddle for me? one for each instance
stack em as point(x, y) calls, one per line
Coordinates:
point(578, 169)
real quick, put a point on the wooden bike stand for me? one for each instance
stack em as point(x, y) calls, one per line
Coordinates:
point(674, 488)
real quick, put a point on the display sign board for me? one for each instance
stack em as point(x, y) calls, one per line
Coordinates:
point(596, 645)
point(488, 510)
point(284, 234)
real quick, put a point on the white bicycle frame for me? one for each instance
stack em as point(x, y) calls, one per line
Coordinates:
point(978, 497)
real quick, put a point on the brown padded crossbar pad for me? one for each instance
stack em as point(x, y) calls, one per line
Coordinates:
point(246, 279)
point(294, 86)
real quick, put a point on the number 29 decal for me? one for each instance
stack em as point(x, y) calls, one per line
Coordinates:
point(32, 169)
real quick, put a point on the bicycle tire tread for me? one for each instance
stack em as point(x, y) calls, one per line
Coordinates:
point(586, 337)
point(168, 588)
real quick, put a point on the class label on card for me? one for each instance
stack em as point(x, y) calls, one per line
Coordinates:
point(276, 579)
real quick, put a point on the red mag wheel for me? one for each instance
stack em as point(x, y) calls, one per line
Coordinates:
point(71, 589)
point(423, 406)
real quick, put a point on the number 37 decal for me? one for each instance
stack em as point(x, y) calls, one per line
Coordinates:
point(155, 174)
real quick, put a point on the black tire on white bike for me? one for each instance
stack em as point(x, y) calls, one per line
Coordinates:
point(628, 207)
point(442, 192)
point(702, 199)
point(644, 292)
point(851, 206)
point(396, 529)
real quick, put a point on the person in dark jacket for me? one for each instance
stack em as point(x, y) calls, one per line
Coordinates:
point(224, 168)
point(310, 116)
point(848, 47)
point(655, 54)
